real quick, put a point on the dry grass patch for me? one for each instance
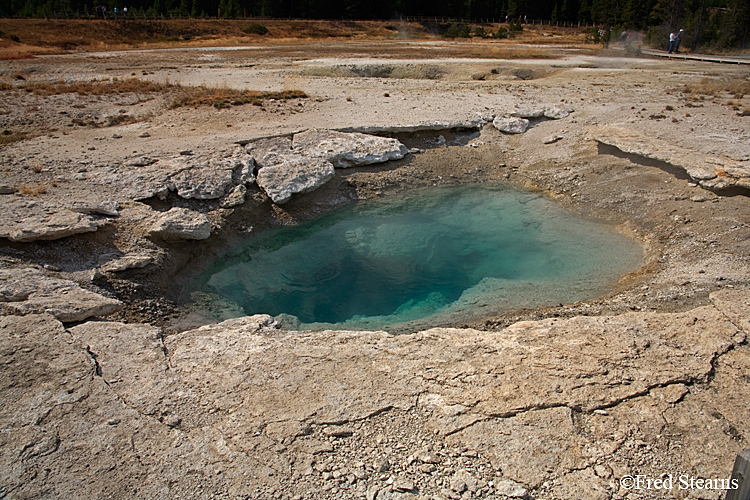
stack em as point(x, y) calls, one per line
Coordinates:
point(95, 87)
point(32, 189)
point(185, 96)
point(8, 137)
point(225, 97)
point(737, 87)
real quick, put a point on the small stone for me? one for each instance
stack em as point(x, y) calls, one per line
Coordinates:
point(458, 485)
point(5, 189)
point(381, 464)
point(172, 421)
point(462, 481)
point(338, 431)
point(186, 152)
point(557, 113)
point(511, 489)
point(403, 484)
point(428, 458)
point(603, 471)
point(511, 125)
point(552, 139)
point(144, 135)
point(116, 136)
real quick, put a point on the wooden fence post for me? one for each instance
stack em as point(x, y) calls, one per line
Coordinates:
point(740, 474)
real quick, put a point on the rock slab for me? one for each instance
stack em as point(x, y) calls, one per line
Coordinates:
point(28, 291)
point(181, 224)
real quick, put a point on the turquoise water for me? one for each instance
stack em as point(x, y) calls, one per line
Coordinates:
point(435, 256)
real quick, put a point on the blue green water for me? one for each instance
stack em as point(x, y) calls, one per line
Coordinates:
point(435, 256)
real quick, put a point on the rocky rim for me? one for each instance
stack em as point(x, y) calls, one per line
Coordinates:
point(111, 389)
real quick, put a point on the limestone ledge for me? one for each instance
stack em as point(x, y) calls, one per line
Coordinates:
point(546, 402)
point(710, 171)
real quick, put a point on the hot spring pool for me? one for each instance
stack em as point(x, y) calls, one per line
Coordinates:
point(437, 256)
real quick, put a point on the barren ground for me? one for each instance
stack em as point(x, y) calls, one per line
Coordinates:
point(693, 420)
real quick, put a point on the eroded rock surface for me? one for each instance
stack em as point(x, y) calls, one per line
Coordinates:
point(305, 161)
point(345, 150)
point(292, 176)
point(710, 171)
point(28, 291)
point(181, 224)
point(29, 221)
point(511, 125)
point(547, 408)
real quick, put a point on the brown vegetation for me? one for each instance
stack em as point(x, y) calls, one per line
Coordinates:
point(737, 87)
point(8, 137)
point(32, 189)
point(94, 87)
point(225, 97)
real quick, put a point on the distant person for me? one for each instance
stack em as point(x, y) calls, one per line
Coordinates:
point(672, 41)
point(678, 39)
point(115, 12)
point(507, 20)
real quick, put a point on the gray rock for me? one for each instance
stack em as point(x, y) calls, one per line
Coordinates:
point(462, 481)
point(129, 261)
point(710, 171)
point(109, 209)
point(28, 291)
point(6, 189)
point(210, 179)
point(345, 150)
point(192, 177)
point(553, 139)
point(46, 224)
point(529, 113)
point(270, 150)
point(142, 161)
point(556, 113)
point(295, 175)
point(403, 484)
point(235, 197)
point(181, 223)
point(511, 125)
point(510, 489)
point(467, 123)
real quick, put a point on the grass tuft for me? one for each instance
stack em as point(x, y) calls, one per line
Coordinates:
point(32, 189)
point(8, 137)
point(95, 87)
point(225, 97)
point(737, 87)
